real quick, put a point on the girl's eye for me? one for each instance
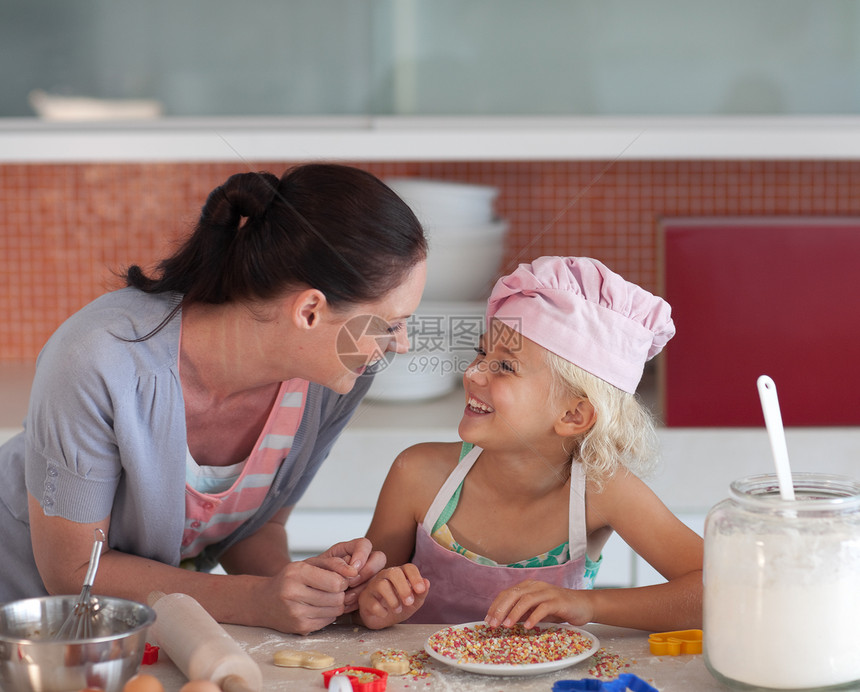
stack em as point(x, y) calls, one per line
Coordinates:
point(395, 328)
point(506, 366)
point(481, 352)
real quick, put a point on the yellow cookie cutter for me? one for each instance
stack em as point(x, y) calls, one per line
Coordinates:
point(675, 643)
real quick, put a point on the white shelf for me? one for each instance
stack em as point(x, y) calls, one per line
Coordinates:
point(28, 140)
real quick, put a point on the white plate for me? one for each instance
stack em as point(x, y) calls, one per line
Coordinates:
point(518, 668)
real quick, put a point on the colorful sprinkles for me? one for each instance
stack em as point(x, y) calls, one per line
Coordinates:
point(417, 661)
point(417, 664)
point(361, 675)
point(390, 655)
point(508, 645)
point(606, 666)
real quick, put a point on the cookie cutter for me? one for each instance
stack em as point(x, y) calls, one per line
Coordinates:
point(624, 682)
point(377, 684)
point(675, 643)
point(150, 655)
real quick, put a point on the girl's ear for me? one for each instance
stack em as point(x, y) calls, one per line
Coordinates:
point(578, 419)
point(305, 308)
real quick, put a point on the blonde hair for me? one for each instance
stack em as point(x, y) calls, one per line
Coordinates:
point(623, 434)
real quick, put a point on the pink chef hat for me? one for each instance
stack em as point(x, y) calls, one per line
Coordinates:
point(582, 311)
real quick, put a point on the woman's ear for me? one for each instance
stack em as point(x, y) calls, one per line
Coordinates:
point(578, 419)
point(305, 308)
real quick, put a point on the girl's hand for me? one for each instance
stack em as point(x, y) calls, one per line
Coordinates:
point(531, 602)
point(392, 596)
point(356, 562)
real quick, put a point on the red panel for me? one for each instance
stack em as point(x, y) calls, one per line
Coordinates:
point(752, 298)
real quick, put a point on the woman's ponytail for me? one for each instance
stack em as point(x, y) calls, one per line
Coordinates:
point(334, 228)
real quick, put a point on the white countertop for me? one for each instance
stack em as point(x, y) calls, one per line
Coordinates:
point(353, 646)
point(348, 138)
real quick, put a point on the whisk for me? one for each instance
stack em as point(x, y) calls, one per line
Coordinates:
point(79, 623)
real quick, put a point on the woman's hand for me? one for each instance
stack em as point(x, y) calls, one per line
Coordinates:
point(531, 602)
point(308, 595)
point(364, 561)
point(392, 596)
point(302, 598)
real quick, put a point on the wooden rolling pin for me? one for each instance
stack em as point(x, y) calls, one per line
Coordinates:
point(199, 646)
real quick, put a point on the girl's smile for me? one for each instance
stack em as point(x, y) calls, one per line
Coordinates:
point(508, 394)
point(477, 407)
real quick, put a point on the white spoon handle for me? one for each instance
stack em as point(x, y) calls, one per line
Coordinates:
point(776, 433)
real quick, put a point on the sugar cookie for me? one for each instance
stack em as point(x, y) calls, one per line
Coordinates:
point(297, 658)
point(392, 661)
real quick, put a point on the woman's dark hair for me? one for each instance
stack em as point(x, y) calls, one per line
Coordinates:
point(331, 227)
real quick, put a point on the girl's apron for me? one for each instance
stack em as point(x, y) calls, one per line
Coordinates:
point(462, 590)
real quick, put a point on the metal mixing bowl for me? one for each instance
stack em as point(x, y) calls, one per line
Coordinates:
point(31, 660)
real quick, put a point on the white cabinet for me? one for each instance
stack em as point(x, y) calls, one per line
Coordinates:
point(439, 57)
point(311, 531)
point(618, 564)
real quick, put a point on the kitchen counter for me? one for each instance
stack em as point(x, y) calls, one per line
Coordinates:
point(353, 645)
point(350, 138)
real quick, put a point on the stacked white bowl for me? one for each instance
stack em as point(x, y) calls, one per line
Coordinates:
point(466, 243)
point(466, 239)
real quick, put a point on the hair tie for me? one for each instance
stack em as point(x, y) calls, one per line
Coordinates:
point(272, 185)
point(249, 196)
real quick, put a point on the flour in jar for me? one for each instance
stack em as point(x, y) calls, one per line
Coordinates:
point(781, 611)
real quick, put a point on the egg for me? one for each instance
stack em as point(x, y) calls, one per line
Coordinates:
point(200, 686)
point(143, 683)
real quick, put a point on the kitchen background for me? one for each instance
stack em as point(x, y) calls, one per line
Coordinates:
point(437, 57)
point(66, 228)
point(69, 220)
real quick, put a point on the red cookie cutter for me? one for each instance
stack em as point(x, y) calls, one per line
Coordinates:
point(150, 654)
point(378, 683)
point(675, 643)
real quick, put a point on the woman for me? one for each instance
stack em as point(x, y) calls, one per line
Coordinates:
point(186, 414)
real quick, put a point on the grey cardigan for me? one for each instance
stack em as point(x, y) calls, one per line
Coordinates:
point(105, 434)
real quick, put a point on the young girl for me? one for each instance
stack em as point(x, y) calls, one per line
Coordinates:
point(509, 526)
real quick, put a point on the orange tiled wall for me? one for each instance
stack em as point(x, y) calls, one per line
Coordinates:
point(64, 229)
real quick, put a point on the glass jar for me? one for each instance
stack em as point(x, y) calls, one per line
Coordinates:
point(782, 585)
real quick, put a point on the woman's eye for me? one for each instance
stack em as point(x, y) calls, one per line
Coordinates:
point(506, 366)
point(481, 352)
point(395, 328)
